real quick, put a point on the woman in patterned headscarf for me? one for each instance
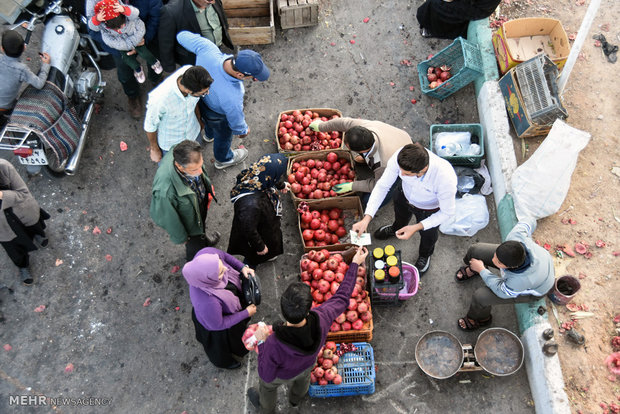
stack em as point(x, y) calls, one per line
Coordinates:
point(255, 232)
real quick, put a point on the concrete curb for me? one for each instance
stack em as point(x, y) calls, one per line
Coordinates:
point(544, 373)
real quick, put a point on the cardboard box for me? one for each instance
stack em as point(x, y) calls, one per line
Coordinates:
point(318, 155)
point(250, 22)
point(521, 39)
point(326, 112)
point(298, 13)
point(351, 207)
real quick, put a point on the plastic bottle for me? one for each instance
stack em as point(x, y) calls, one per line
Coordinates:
point(473, 149)
point(450, 149)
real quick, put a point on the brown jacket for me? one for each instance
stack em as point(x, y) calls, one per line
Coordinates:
point(15, 194)
point(388, 140)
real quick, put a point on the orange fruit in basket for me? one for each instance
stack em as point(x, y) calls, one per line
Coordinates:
point(394, 271)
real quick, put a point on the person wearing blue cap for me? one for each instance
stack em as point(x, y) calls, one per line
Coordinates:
point(222, 108)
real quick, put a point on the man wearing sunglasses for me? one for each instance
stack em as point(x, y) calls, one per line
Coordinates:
point(171, 111)
point(222, 109)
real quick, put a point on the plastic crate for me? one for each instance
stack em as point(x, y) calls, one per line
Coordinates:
point(472, 161)
point(358, 375)
point(539, 90)
point(385, 293)
point(466, 62)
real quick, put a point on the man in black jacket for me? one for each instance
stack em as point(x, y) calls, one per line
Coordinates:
point(204, 17)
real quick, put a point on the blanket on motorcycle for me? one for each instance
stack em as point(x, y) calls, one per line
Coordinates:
point(51, 116)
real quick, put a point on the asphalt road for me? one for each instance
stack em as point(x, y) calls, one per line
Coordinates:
point(146, 359)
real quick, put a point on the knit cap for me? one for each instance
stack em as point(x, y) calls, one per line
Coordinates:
point(108, 9)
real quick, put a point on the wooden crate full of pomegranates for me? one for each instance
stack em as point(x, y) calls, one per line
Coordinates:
point(323, 271)
point(293, 133)
point(313, 175)
point(323, 224)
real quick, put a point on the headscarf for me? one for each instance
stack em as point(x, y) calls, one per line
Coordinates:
point(262, 176)
point(108, 9)
point(202, 273)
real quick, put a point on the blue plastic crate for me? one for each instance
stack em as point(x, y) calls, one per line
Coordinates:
point(358, 374)
point(466, 62)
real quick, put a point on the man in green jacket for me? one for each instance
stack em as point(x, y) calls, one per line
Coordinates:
point(181, 196)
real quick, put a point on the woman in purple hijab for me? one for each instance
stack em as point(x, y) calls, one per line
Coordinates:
point(219, 311)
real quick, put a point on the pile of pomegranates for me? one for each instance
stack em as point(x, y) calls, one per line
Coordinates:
point(294, 133)
point(315, 178)
point(438, 75)
point(324, 272)
point(321, 227)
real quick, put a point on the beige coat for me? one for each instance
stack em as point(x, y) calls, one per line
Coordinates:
point(15, 194)
point(388, 140)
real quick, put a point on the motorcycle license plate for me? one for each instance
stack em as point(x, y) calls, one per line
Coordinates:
point(37, 158)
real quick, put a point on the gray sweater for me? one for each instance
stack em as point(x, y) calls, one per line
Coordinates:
point(124, 39)
point(15, 195)
point(14, 73)
point(535, 280)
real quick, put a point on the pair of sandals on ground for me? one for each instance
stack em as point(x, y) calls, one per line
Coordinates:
point(462, 275)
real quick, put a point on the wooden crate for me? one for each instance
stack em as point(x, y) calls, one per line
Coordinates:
point(318, 155)
point(327, 112)
point(298, 13)
point(349, 205)
point(250, 22)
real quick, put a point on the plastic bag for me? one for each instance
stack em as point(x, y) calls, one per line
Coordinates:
point(540, 184)
point(471, 215)
point(469, 181)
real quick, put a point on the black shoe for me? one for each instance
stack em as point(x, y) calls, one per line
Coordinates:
point(254, 397)
point(40, 241)
point(385, 232)
point(212, 239)
point(422, 264)
point(234, 365)
point(25, 276)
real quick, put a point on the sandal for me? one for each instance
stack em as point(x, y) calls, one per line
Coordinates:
point(472, 324)
point(466, 274)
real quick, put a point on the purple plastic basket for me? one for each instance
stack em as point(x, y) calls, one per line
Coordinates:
point(411, 279)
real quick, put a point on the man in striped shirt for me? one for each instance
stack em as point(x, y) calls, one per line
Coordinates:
point(172, 112)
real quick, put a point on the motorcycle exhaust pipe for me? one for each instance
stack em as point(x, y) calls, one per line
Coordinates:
point(74, 160)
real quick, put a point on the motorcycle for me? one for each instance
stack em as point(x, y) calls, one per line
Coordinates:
point(48, 127)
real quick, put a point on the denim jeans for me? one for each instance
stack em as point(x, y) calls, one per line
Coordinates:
point(216, 127)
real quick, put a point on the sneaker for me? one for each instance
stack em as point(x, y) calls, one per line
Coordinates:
point(135, 106)
point(254, 397)
point(425, 33)
point(212, 238)
point(157, 67)
point(240, 154)
point(139, 75)
point(385, 232)
point(25, 276)
point(40, 241)
point(204, 136)
point(422, 264)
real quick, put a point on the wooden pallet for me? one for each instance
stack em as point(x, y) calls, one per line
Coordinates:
point(250, 22)
point(298, 13)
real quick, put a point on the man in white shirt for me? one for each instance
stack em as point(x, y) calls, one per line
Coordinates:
point(427, 190)
point(172, 113)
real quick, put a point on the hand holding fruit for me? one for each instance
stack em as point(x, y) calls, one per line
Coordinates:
point(476, 265)
point(361, 226)
point(245, 135)
point(251, 310)
point(314, 125)
point(262, 332)
point(360, 255)
point(343, 188)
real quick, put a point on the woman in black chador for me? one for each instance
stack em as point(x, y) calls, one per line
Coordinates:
point(448, 19)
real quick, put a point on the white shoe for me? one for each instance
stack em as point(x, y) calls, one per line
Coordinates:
point(240, 155)
point(157, 67)
point(140, 77)
point(205, 138)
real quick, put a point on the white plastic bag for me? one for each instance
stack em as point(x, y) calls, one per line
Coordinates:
point(471, 215)
point(541, 183)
